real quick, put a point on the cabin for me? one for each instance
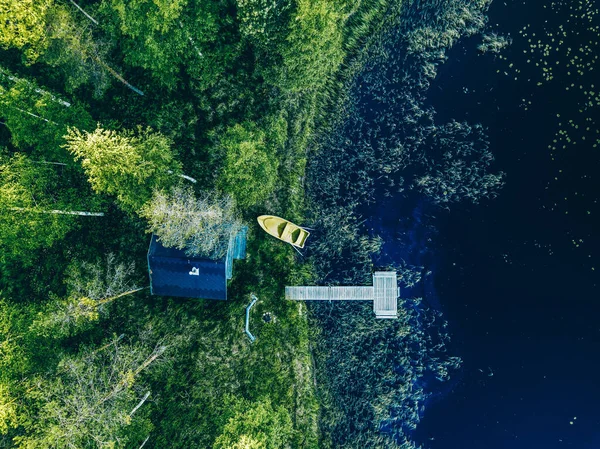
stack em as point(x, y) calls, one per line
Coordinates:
point(173, 273)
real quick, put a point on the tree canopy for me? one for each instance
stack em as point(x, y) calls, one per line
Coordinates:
point(23, 26)
point(38, 119)
point(28, 194)
point(127, 164)
point(91, 400)
point(250, 167)
point(199, 224)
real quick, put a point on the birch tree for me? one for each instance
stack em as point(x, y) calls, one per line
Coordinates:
point(165, 36)
point(38, 119)
point(102, 279)
point(47, 31)
point(201, 225)
point(89, 400)
point(126, 164)
point(90, 288)
point(26, 189)
point(94, 21)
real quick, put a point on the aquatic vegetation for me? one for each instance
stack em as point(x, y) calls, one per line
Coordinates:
point(389, 135)
point(460, 172)
point(409, 275)
point(493, 43)
point(439, 24)
point(374, 376)
point(387, 141)
point(563, 57)
point(558, 64)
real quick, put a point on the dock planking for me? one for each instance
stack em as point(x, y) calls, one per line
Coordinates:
point(384, 294)
point(385, 288)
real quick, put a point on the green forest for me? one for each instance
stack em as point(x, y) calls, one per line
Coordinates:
point(120, 118)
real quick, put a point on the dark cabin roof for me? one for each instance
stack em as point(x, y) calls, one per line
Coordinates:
point(170, 274)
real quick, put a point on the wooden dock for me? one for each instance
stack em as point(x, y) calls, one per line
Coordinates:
point(384, 294)
point(385, 291)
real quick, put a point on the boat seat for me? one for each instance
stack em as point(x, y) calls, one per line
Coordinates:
point(301, 238)
point(287, 231)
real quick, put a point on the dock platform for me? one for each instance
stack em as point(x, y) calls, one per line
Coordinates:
point(384, 293)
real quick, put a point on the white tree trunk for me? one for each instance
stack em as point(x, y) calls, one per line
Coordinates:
point(36, 116)
point(62, 212)
point(39, 91)
point(156, 354)
point(147, 395)
point(119, 338)
point(112, 298)
point(189, 178)
point(85, 13)
point(191, 40)
point(124, 382)
point(49, 163)
point(116, 75)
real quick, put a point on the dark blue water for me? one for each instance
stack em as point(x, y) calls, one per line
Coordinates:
point(515, 275)
point(518, 277)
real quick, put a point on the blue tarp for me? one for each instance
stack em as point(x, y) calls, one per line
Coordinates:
point(239, 247)
point(235, 250)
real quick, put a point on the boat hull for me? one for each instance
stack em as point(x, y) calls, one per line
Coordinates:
point(283, 230)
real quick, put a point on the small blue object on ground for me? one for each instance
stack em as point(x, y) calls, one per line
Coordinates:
point(252, 337)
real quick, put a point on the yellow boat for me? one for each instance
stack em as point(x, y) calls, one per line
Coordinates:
point(283, 230)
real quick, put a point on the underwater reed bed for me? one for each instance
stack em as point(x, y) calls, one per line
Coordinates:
point(372, 375)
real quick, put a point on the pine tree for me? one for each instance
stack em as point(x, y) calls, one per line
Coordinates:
point(126, 164)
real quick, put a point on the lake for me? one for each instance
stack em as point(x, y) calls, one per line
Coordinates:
point(517, 277)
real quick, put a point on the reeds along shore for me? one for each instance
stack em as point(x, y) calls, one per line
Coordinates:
point(388, 142)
